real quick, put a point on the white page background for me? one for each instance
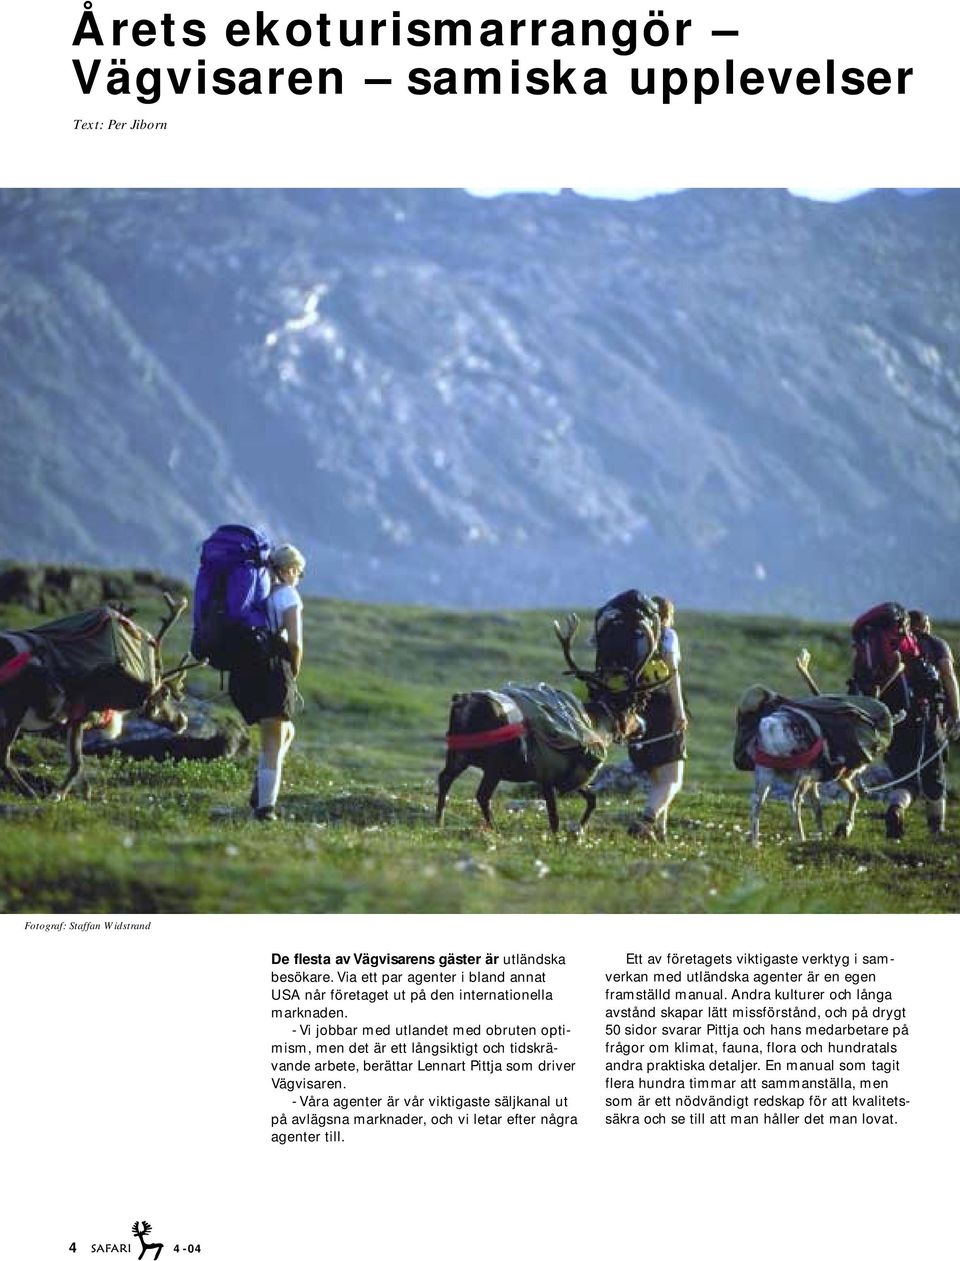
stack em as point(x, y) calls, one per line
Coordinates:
point(136, 1068)
point(384, 136)
point(138, 1084)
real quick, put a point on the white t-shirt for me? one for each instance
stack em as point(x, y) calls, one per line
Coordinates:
point(670, 647)
point(281, 598)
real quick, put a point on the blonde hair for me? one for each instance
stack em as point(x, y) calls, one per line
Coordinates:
point(286, 556)
point(664, 607)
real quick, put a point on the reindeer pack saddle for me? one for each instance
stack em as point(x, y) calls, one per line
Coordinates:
point(555, 724)
point(844, 731)
point(99, 654)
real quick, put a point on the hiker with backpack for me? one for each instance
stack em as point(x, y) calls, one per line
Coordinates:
point(264, 690)
point(909, 674)
point(248, 623)
point(921, 737)
point(662, 750)
point(940, 655)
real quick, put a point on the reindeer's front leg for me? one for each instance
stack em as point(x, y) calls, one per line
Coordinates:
point(817, 806)
point(8, 734)
point(762, 782)
point(590, 797)
point(852, 788)
point(454, 766)
point(550, 797)
point(75, 750)
point(796, 807)
point(488, 786)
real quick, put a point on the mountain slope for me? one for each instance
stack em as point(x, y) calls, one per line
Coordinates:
point(748, 399)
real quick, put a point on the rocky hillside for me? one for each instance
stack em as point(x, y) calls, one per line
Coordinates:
point(747, 399)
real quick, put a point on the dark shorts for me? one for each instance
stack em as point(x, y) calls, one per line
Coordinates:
point(662, 743)
point(913, 743)
point(268, 691)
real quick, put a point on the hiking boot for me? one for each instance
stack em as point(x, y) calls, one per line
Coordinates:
point(893, 820)
point(643, 829)
point(265, 814)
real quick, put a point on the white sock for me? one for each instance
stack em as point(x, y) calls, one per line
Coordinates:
point(280, 760)
point(268, 787)
point(284, 750)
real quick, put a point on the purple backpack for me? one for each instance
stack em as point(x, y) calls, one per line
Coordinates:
point(229, 598)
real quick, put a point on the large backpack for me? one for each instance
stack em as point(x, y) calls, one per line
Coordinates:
point(879, 635)
point(229, 599)
point(881, 640)
point(626, 631)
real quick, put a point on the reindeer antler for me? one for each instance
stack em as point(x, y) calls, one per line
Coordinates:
point(566, 635)
point(182, 666)
point(636, 686)
point(802, 663)
point(176, 609)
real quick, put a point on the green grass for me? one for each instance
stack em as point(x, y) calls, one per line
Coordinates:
point(358, 797)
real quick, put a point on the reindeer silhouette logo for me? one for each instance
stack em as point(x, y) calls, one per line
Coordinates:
point(141, 1230)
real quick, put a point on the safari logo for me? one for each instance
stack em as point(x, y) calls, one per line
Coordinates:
point(141, 1230)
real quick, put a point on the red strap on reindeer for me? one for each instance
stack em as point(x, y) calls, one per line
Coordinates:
point(78, 712)
point(10, 669)
point(104, 718)
point(481, 739)
point(793, 762)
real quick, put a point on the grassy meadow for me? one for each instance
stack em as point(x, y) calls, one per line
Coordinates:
point(359, 792)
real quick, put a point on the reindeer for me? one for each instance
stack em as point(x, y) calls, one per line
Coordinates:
point(810, 743)
point(492, 731)
point(34, 696)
